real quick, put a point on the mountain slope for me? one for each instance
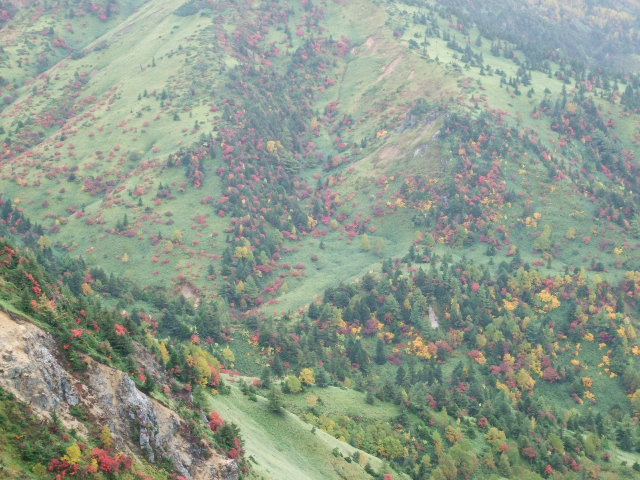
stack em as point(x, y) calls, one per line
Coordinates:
point(103, 395)
point(151, 396)
point(283, 446)
point(127, 109)
point(433, 206)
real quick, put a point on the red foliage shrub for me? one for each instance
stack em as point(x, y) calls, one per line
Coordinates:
point(216, 421)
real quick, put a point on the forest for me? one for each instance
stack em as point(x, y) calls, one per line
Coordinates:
point(398, 238)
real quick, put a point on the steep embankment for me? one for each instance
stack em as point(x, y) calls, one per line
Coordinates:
point(30, 369)
point(284, 446)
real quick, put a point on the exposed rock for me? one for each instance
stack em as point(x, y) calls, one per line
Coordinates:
point(433, 318)
point(422, 148)
point(27, 365)
point(139, 424)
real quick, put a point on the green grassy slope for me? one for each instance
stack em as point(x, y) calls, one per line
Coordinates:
point(120, 130)
point(270, 154)
point(88, 141)
point(283, 446)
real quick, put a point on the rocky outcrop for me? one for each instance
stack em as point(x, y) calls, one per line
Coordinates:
point(30, 369)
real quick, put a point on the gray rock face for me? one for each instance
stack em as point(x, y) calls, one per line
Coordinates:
point(129, 404)
point(30, 370)
point(31, 367)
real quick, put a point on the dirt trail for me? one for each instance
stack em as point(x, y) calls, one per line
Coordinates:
point(389, 69)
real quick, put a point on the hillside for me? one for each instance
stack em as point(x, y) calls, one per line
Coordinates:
point(132, 156)
point(144, 171)
point(167, 409)
point(105, 398)
point(429, 210)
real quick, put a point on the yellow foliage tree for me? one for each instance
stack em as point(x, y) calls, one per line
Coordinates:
point(508, 359)
point(312, 401)
point(510, 305)
point(292, 384)
point(40, 470)
point(418, 348)
point(74, 454)
point(164, 352)
point(453, 434)
point(307, 376)
point(365, 243)
point(86, 289)
point(496, 438)
point(438, 444)
point(479, 357)
point(390, 447)
point(202, 368)
point(273, 146)
point(571, 233)
point(105, 437)
point(550, 300)
point(571, 108)
point(635, 401)
point(177, 236)
point(242, 252)
point(228, 355)
point(44, 242)
point(524, 380)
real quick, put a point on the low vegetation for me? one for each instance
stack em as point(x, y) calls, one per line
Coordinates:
point(405, 231)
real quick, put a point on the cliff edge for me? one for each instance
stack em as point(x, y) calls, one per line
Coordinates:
point(31, 369)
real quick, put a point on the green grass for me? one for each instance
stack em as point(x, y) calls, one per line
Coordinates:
point(343, 401)
point(148, 35)
point(627, 457)
point(377, 82)
point(283, 446)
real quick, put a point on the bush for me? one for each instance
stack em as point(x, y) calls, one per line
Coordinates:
point(291, 384)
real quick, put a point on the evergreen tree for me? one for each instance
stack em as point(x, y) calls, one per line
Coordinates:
point(265, 377)
point(276, 402)
point(381, 358)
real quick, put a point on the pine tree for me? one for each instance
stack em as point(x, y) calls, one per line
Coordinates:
point(278, 369)
point(276, 402)
point(265, 377)
point(322, 379)
point(370, 399)
point(381, 358)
